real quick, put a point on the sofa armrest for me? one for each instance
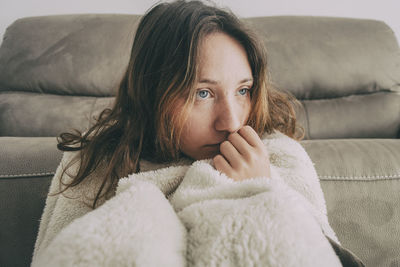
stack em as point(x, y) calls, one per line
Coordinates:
point(360, 179)
point(26, 168)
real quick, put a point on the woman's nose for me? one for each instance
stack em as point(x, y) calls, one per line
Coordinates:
point(228, 117)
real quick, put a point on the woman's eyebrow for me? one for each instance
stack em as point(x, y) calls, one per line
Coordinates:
point(209, 81)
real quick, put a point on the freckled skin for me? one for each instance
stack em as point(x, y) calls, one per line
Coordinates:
point(215, 127)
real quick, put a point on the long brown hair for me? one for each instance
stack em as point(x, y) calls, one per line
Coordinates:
point(143, 123)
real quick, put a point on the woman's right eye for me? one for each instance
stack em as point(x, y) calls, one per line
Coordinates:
point(202, 94)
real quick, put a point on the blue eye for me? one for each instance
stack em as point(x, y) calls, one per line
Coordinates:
point(203, 94)
point(243, 91)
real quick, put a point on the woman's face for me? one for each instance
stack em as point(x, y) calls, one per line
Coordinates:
point(222, 101)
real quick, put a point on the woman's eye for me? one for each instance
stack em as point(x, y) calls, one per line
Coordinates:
point(202, 94)
point(244, 91)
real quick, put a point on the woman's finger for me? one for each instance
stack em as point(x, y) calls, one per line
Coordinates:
point(250, 136)
point(241, 145)
point(222, 165)
point(231, 154)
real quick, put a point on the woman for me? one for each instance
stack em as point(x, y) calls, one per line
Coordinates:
point(201, 187)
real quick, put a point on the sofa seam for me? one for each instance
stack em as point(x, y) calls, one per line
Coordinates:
point(91, 111)
point(361, 178)
point(308, 135)
point(27, 174)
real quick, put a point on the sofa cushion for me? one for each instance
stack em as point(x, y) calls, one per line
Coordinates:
point(361, 182)
point(358, 116)
point(375, 115)
point(28, 157)
point(67, 54)
point(328, 57)
point(34, 114)
point(312, 57)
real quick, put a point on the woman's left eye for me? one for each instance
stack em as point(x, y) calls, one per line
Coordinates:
point(244, 91)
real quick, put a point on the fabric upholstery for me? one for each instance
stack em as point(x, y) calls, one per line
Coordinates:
point(68, 54)
point(365, 214)
point(355, 159)
point(361, 183)
point(26, 168)
point(374, 115)
point(21, 204)
point(313, 57)
point(328, 57)
point(28, 157)
point(34, 114)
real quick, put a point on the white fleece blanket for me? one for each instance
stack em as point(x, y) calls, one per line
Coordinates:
point(193, 215)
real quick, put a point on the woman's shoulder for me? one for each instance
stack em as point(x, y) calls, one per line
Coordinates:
point(87, 188)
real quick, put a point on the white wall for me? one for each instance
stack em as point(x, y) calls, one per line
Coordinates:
point(386, 10)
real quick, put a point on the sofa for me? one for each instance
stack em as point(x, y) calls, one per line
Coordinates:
point(58, 72)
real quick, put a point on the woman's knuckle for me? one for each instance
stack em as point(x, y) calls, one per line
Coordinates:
point(232, 137)
point(217, 159)
point(225, 145)
point(251, 157)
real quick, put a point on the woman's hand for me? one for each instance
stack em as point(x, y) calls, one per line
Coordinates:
point(243, 156)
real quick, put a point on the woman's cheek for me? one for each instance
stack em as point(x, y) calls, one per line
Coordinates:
point(244, 109)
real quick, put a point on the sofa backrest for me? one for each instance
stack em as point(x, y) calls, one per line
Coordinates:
point(59, 72)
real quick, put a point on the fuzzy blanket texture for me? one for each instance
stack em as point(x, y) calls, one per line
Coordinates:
point(190, 214)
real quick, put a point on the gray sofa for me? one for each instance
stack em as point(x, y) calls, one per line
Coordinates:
point(58, 72)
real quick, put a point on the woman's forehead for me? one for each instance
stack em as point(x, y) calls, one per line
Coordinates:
point(222, 57)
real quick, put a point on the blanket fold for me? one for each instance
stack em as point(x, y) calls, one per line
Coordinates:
point(255, 222)
point(138, 227)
